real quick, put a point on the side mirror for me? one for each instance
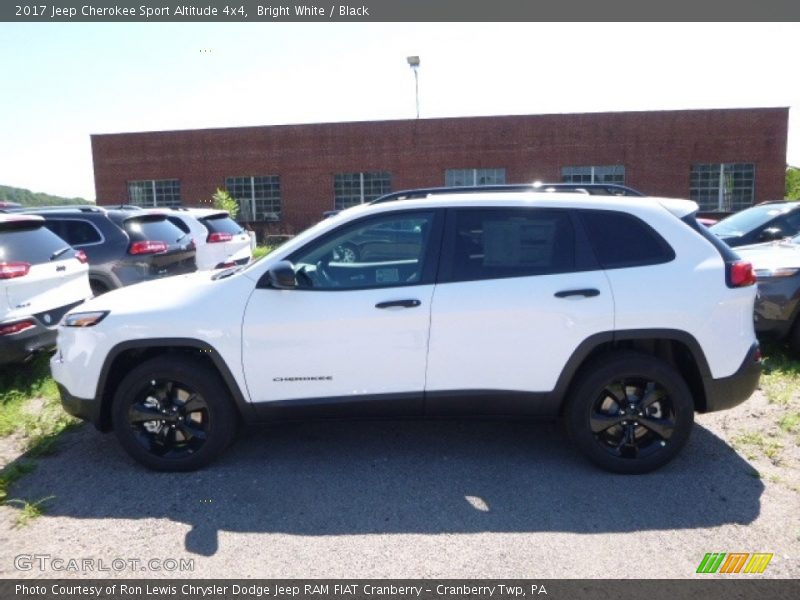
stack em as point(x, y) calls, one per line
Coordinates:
point(772, 233)
point(281, 276)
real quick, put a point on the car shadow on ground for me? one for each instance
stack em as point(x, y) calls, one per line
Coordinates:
point(398, 477)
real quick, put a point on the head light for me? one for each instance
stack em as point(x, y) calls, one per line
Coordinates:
point(781, 272)
point(84, 319)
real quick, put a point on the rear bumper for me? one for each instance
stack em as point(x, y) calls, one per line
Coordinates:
point(728, 392)
point(18, 347)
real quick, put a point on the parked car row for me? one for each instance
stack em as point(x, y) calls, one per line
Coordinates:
point(115, 248)
point(768, 235)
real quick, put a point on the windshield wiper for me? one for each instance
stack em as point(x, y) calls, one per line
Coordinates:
point(58, 253)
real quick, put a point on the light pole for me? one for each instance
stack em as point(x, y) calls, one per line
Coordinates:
point(413, 62)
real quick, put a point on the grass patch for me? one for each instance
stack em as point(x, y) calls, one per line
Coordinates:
point(262, 251)
point(769, 447)
point(781, 375)
point(30, 408)
point(790, 422)
point(29, 510)
point(10, 474)
point(19, 384)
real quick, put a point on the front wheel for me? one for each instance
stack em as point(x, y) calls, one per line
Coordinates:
point(173, 414)
point(630, 413)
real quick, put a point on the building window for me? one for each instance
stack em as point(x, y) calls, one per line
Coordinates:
point(466, 177)
point(727, 187)
point(350, 189)
point(599, 174)
point(155, 192)
point(259, 198)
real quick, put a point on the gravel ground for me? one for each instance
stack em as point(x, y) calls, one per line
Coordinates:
point(413, 499)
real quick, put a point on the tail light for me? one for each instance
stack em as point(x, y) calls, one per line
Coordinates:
point(13, 328)
point(740, 274)
point(9, 270)
point(81, 256)
point(217, 236)
point(147, 247)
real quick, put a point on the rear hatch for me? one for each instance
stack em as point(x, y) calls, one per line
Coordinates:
point(227, 242)
point(158, 247)
point(40, 274)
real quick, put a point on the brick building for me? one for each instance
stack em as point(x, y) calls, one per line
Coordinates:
point(286, 176)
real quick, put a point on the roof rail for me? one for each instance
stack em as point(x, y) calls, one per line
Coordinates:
point(77, 207)
point(595, 189)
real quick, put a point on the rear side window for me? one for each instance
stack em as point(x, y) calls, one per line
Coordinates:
point(153, 229)
point(75, 232)
point(179, 224)
point(621, 240)
point(222, 224)
point(33, 244)
point(499, 243)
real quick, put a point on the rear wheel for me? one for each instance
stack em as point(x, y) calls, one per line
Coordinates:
point(630, 413)
point(173, 414)
point(98, 288)
point(794, 337)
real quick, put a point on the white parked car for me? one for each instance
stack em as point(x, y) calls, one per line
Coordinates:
point(41, 278)
point(220, 241)
point(622, 315)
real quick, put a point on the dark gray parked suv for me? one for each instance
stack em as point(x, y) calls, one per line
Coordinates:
point(123, 246)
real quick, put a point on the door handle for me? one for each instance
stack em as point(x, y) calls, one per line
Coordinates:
point(398, 304)
point(586, 293)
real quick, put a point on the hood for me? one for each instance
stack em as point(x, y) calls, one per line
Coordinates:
point(169, 293)
point(772, 255)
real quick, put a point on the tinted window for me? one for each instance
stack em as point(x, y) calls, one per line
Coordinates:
point(622, 240)
point(31, 244)
point(495, 243)
point(222, 224)
point(75, 232)
point(385, 251)
point(179, 224)
point(156, 229)
point(749, 219)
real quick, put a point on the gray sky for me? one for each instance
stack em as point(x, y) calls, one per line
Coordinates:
point(63, 82)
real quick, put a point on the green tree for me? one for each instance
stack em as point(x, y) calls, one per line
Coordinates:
point(222, 200)
point(792, 183)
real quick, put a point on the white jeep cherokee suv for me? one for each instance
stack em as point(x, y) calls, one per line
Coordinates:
point(621, 315)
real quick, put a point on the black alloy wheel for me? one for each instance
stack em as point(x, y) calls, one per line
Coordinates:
point(173, 413)
point(629, 412)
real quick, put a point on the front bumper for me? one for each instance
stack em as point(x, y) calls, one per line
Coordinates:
point(83, 408)
point(728, 392)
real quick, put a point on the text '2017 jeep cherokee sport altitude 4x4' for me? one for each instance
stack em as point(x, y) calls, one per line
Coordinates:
point(621, 315)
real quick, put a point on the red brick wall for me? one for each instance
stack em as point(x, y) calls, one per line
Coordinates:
point(656, 148)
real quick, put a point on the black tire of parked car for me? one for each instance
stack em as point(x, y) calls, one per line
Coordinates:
point(794, 337)
point(172, 413)
point(629, 412)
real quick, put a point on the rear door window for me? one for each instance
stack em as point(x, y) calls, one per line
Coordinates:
point(513, 242)
point(75, 231)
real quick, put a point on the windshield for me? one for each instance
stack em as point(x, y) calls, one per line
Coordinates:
point(748, 220)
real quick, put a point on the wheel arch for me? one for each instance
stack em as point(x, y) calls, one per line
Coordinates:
point(126, 355)
point(677, 348)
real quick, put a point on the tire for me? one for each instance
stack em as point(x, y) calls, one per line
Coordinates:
point(794, 337)
point(629, 413)
point(97, 287)
point(194, 416)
